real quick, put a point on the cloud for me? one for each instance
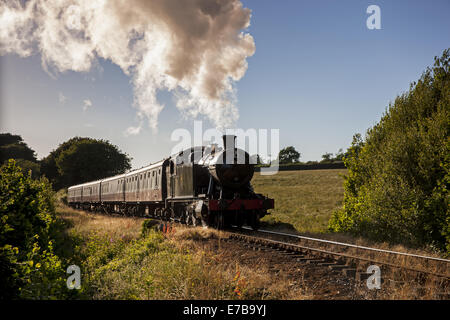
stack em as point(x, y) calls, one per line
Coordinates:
point(62, 98)
point(132, 131)
point(196, 49)
point(87, 104)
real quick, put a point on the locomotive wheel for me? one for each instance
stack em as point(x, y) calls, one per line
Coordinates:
point(254, 221)
point(168, 214)
point(239, 218)
point(203, 222)
point(183, 217)
point(191, 219)
point(220, 221)
point(194, 219)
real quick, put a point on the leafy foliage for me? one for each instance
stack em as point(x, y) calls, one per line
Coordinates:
point(13, 147)
point(29, 268)
point(80, 160)
point(28, 166)
point(288, 155)
point(397, 186)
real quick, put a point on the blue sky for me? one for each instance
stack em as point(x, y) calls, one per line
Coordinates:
point(318, 74)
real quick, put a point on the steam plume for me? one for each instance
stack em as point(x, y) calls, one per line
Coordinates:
point(196, 49)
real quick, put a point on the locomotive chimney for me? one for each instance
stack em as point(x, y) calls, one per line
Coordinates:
point(229, 141)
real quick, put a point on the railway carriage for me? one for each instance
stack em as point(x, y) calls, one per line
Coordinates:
point(112, 189)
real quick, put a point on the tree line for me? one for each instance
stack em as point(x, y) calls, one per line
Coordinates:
point(289, 155)
point(75, 161)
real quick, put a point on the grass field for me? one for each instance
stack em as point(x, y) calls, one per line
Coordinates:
point(304, 199)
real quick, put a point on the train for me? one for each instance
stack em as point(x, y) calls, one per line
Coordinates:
point(204, 185)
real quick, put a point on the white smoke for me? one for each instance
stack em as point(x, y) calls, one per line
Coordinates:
point(196, 49)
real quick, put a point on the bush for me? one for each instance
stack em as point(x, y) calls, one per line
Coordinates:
point(29, 267)
point(398, 178)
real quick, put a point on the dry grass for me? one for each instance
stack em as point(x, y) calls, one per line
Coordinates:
point(87, 223)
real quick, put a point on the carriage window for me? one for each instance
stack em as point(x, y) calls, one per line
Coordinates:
point(172, 167)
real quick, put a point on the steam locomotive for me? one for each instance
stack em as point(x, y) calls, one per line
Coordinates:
point(204, 185)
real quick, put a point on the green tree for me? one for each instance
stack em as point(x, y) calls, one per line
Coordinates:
point(80, 160)
point(339, 155)
point(48, 164)
point(28, 166)
point(89, 160)
point(288, 155)
point(398, 177)
point(327, 157)
point(13, 147)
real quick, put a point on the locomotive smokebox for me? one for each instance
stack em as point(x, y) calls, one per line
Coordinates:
point(231, 167)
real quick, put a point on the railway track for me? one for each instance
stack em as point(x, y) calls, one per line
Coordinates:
point(350, 260)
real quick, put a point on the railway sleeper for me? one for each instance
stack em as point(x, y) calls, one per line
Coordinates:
point(337, 267)
point(349, 272)
point(315, 261)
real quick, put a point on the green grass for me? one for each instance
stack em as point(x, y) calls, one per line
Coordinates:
point(304, 199)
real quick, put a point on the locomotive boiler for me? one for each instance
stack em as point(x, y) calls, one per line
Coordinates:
point(204, 185)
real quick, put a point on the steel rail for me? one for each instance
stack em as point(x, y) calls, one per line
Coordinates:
point(338, 254)
point(348, 256)
point(350, 245)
